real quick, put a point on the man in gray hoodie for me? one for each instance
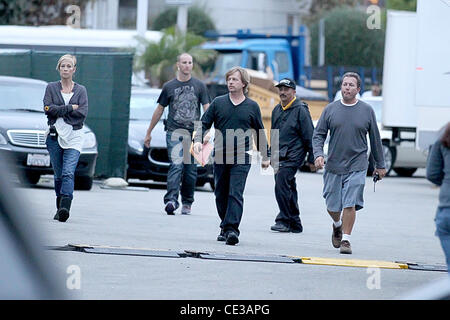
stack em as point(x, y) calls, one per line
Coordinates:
point(349, 120)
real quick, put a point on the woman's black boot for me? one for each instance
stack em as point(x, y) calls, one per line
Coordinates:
point(64, 209)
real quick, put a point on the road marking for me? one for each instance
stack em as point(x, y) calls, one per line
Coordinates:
point(353, 263)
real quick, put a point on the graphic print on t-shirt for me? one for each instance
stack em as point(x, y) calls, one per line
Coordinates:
point(185, 105)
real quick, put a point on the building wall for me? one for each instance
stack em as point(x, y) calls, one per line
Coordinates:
point(101, 14)
point(268, 16)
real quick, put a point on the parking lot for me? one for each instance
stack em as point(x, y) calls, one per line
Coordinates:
point(396, 225)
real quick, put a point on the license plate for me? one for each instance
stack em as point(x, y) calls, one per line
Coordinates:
point(38, 160)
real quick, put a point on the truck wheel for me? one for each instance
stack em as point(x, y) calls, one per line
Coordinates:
point(200, 183)
point(405, 172)
point(389, 159)
point(83, 183)
point(29, 178)
point(390, 154)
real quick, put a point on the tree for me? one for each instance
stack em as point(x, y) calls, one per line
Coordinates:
point(158, 59)
point(198, 21)
point(348, 40)
point(408, 5)
point(36, 12)
point(317, 8)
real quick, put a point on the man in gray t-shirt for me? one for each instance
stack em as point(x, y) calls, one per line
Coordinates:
point(183, 95)
point(349, 120)
point(183, 99)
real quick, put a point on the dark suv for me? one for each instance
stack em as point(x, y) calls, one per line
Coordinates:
point(22, 128)
point(152, 164)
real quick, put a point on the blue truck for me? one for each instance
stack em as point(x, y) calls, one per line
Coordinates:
point(281, 55)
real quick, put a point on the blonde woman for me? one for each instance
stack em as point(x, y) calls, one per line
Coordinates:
point(66, 107)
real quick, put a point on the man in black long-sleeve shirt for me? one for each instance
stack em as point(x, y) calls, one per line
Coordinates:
point(236, 120)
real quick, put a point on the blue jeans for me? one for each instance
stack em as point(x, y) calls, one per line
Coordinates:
point(442, 221)
point(183, 169)
point(64, 163)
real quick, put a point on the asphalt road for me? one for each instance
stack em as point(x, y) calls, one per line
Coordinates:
point(395, 225)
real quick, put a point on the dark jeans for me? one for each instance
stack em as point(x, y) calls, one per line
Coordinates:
point(230, 181)
point(182, 170)
point(287, 197)
point(64, 163)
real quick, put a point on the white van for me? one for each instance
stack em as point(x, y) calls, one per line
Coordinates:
point(403, 158)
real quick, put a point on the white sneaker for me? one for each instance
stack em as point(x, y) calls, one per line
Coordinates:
point(346, 248)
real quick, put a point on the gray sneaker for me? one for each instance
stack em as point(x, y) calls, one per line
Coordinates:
point(346, 248)
point(280, 227)
point(186, 209)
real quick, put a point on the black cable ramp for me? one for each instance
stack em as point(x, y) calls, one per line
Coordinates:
point(206, 255)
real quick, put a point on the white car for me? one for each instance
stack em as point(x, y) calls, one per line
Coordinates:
point(403, 158)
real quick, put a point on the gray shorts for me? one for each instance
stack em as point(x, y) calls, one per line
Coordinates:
point(344, 190)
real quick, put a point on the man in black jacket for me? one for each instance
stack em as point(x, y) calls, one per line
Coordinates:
point(291, 139)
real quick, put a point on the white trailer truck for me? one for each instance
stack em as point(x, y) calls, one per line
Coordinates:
point(416, 75)
point(68, 39)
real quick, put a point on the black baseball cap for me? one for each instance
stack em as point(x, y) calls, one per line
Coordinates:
point(286, 82)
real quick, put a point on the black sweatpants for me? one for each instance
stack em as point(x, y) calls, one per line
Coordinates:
point(287, 197)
